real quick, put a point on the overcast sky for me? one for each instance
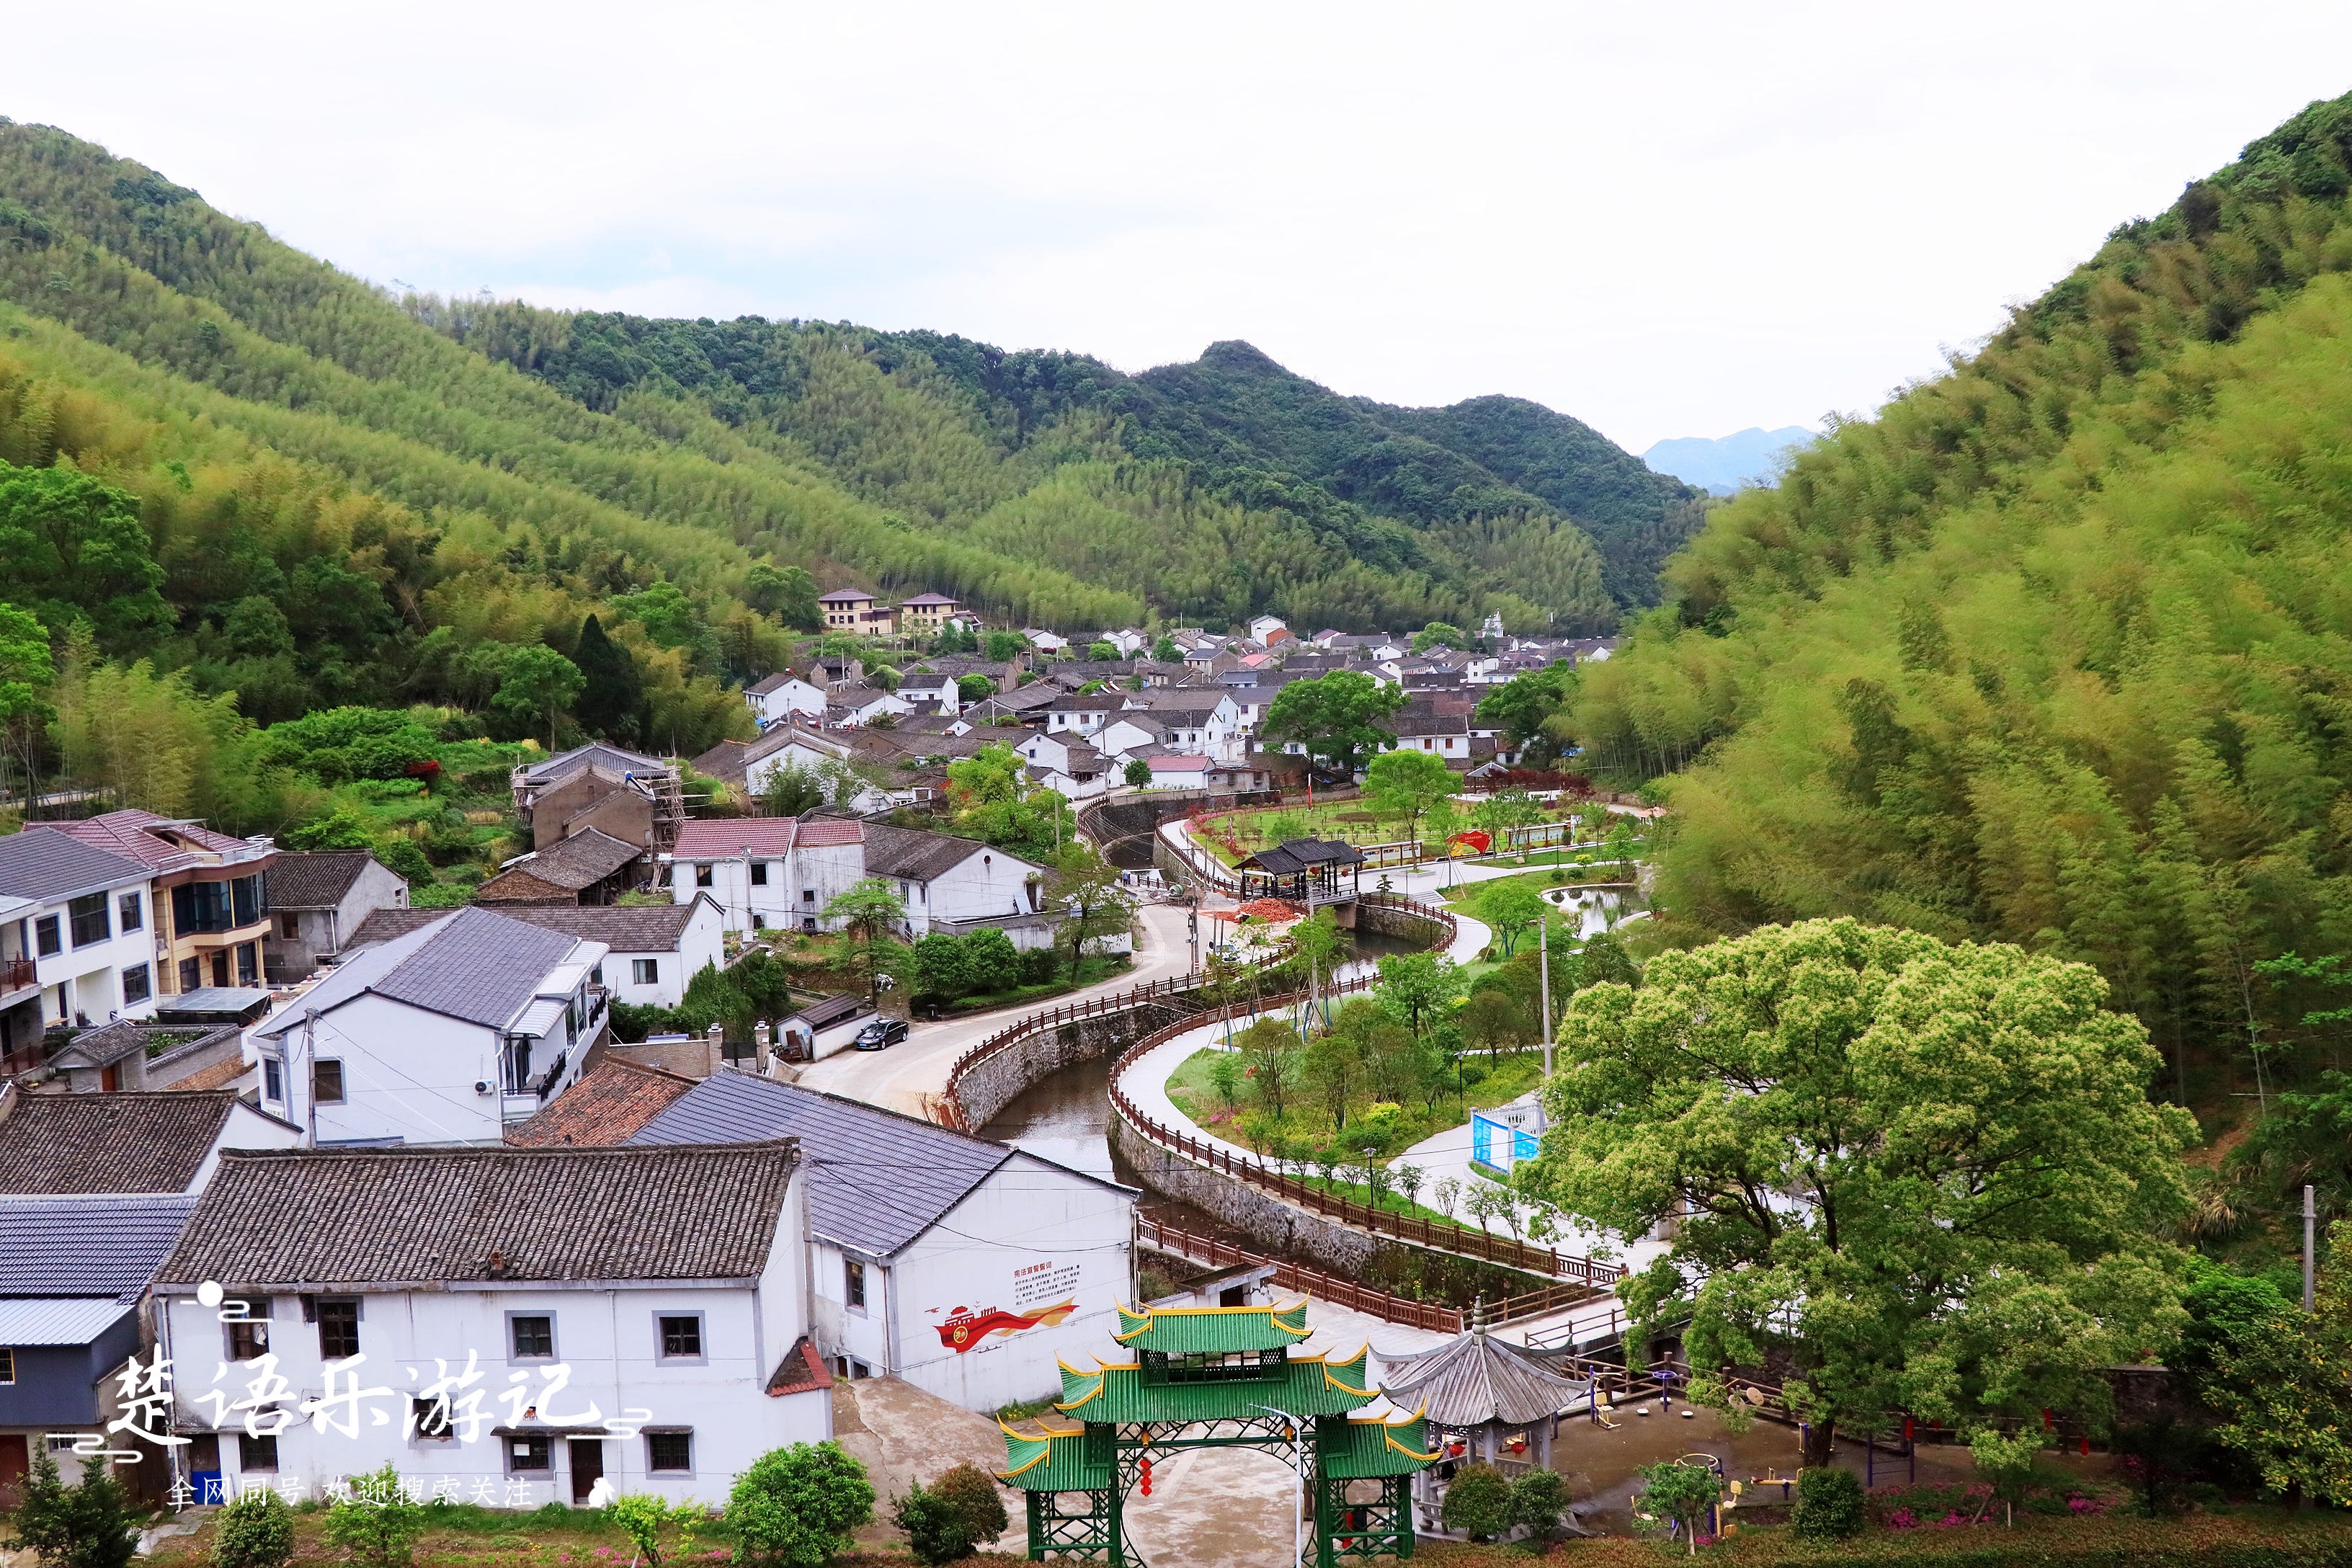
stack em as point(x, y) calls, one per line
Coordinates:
point(1667, 220)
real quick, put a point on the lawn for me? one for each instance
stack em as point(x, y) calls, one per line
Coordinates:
point(1499, 1080)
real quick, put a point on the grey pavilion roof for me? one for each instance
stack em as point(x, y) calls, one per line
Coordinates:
point(1299, 854)
point(1476, 1378)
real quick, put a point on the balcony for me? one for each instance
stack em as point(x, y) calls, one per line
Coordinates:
point(18, 974)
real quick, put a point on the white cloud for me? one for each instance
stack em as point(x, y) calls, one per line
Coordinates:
point(1666, 220)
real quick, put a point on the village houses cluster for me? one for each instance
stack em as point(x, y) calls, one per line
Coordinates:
point(354, 1182)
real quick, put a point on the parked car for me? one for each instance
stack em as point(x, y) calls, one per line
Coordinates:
point(880, 1033)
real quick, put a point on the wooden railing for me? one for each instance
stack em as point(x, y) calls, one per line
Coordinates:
point(1216, 1254)
point(1156, 992)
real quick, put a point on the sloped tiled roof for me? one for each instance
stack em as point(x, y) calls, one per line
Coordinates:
point(582, 860)
point(723, 761)
point(121, 1142)
point(605, 1107)
point(44, 865)
point(877, 1180)
point(383, 925)
point(122, 1039)
point(624, 927)
point(432, 1215)
point(316, 880)
point(473, 964)
point(1190, 1331)
point(132, 834)
point(722, 838)
point(1475, 1378)
point(78, 1246)
point(595, 755)
point(916, 855)
point(768, 683)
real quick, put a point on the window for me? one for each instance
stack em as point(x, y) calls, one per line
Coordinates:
point(758, 873)
point(854, 1283)
point(645, 971)
point(255, 1453)
point(273, 1087)
point(702, 873)
point(46, 943)
point(89, 922)
point(138, 983)
point(289, 928)
point(245, 899)
point(200, 907)
point(808, 895)
point(429, 1419)
point(131, 912)
point(327, 1082)
point(249, 1341)
point(679, 1336)
point(532, 1335)
point(338, 1328)
point(530, 1453)
point(669, 1451)
point(7, 1364)
point(248, 970)
point(192, 975)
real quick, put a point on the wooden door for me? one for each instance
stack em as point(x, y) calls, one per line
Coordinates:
point(587, 1466)
point(16, 1464)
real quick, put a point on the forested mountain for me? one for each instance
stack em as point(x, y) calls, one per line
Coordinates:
point(1723, 463)
point(2057, 650)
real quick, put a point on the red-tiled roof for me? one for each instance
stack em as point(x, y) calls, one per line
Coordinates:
point(1173, 764)
point(132, 834)
point(605, 1107)
point(801, 1371)
point(720, 838)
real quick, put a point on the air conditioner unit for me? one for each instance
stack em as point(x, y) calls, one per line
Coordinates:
point(483, 1086)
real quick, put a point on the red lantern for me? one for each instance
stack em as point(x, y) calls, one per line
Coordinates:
point(1147, 1475)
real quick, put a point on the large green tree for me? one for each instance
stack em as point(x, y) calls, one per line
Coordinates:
point(1407, 784)
point(1336, 717)
point(1934, 1172)
point(536, 684)
point(611, 694)
point(75, 550)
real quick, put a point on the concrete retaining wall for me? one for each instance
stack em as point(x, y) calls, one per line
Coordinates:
point(992, 1084)
point(1402, 924)
point(1267, 1220)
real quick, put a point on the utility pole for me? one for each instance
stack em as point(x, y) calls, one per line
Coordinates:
point(1543, 951)
point(2310, 1216)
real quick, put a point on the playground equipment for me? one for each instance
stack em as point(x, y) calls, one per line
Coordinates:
point(1209, 1377)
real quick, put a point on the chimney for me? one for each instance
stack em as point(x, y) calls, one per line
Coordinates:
point(715, 1051)
point(498, 1266)
point(763, 1038)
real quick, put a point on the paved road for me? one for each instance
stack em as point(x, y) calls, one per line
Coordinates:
point(911, 1074)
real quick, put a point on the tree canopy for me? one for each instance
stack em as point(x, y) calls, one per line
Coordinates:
point(1336, 717)
point(1935, 1169)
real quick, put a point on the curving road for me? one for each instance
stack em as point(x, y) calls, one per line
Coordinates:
point(911, 1074)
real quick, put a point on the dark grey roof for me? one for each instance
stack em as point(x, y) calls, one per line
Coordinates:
point(1298, 853)
point(127, 1038)
point(595, 755)
point(918, 857)
point(473, 965)
point(214, 1005)
point(130, 1142)
point(877, 1180)
point(828, 1011)
point(624, 927)
point(383, 925)
point(582, 860)
point(315, 881)
point(1476, 1378)
point(43, 864)
point(290, 1217)
point(87, 1246)
point(768, 683)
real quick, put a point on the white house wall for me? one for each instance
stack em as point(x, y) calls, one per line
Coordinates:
point(87, 981)
point(700, 944)
point(987, 884)
point(798, 886)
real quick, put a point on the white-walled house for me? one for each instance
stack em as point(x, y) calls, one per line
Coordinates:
point(1128, 640)
point(765, 871)
point(317, 901)
point(87, 927)
point(507, 1325)
point(445, 1035)
point(949, 881)
point(788, 745)
point(932, 693)
point(652, 951)
point(1067, 765)
point(1171, 770)
point(965, 1266)
point(776, 698)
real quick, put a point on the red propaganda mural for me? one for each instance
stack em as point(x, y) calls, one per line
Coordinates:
point(965, 1326)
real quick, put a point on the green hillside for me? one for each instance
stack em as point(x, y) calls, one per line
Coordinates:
point(2058, 648)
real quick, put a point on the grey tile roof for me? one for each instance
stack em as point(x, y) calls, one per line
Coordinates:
point(582, 860)
point(315, 881)
point(293, 1217)
point(383, 925)
point(106, 1246)
point(43, 863)
point(472, 963)
point(118, 1142)
point(595, 755)
point(624, 927)
point(877, 1180)
point(916, 855)
point(1476, 1378)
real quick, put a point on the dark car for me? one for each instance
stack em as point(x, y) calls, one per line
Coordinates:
point(881, 1032)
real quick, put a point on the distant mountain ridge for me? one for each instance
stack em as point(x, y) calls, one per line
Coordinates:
point(1724, 463)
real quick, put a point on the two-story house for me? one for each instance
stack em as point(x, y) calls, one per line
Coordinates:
point(21, 1024)
point(765, 871)
point(211, 895)
point(84, 926)
point(776, 698)
point(652, 951)
point(958, 885)
point(531, 1319)
point(854, 610)
point(445, 1035)
point(1080, 716)
point(316, 901)
point(965, 1266)
point(929, 692)
point(925, 614)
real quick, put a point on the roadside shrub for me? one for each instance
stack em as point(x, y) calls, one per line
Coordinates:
point(936, 1530)
point(1829, 1504)
point(377, 1525)
point(1478, 1502)
point(796, 1506)
point(84, 1526)
point(1538, 1499)
point(256, 1530)
point(974, 1494)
